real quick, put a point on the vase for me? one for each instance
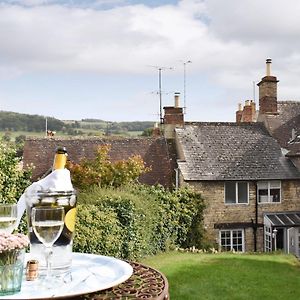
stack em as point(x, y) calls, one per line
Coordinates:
point(11, 274)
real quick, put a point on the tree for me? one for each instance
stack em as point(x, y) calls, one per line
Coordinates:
point(147, 132)
point(6, 137)
point(102, 172)
point(20, 139)
point(13, 178)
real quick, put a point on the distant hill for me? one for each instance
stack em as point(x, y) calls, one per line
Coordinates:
point(12, 121)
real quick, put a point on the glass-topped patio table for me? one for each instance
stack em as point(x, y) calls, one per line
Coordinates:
point(145, 283)
point(99, 277)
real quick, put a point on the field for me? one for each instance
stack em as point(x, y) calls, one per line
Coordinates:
point(229, 276)
point(84, 132)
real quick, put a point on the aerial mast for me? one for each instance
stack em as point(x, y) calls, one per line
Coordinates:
point(160, 69)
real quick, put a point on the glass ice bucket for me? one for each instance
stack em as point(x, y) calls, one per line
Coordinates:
point(62, 248)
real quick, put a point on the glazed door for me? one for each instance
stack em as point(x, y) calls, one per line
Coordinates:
point(293, 240)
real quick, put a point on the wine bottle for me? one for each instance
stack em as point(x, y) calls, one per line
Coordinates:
point(60, 158)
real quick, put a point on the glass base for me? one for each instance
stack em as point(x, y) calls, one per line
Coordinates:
point(61, 258)
point(11, 277)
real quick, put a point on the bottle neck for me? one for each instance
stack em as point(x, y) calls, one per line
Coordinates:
point(60, 160)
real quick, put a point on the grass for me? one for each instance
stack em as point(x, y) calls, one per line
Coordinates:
point(229, 276)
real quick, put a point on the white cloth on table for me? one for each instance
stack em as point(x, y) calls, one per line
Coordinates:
point(58, 180)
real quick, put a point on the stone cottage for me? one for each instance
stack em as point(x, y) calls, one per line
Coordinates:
point(248, 173)
point(244, 178)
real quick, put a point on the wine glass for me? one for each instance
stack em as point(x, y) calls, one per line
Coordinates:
point(47, 224)
point(8, 217)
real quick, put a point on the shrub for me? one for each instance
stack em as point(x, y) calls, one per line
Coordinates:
point(97, 231)
point(136, 220)
point(13, 179)
point(102, 172)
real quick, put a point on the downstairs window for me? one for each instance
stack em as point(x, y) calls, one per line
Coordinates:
point(232, 240)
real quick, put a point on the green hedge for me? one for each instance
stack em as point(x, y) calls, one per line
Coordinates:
point(134, 221)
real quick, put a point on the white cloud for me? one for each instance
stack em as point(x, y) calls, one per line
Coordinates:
point(27, 2)
point(227, 41)
point(121, 39)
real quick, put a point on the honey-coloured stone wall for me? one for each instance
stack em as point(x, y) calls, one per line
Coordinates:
point(217, 212)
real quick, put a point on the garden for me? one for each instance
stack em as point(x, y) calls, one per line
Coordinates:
point(229, 276)
point(119, 217)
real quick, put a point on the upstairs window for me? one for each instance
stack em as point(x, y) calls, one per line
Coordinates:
point(269, 191)
point(236, 192)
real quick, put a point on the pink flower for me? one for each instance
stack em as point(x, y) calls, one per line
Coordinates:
point(10, 242)
point(10, 247)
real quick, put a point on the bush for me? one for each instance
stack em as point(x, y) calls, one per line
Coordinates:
point(137, 220)
point(95, 225)
point(101, 171)
point(13, 179)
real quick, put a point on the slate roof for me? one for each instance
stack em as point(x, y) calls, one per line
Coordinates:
point(231, 151)
point(280, 126)
point(154, 152)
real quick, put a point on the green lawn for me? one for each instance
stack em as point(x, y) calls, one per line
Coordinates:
point(229, 276)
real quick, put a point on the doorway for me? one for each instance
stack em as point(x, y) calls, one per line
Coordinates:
point(280, 239)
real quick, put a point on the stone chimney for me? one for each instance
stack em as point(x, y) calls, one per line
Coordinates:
point(156, 131)
point(268, 92)
point(246, 113)
point(239, 114)
point(249, 111)
point(173, 117)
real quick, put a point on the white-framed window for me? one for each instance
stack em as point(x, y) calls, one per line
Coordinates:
point(236, 192)
point(269, 191)
point(268, 239)
point(232, 240)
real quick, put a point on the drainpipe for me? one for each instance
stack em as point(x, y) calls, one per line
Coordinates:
point(176, 179)
point(256, 219)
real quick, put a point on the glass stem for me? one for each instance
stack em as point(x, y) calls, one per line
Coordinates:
point(49, 252)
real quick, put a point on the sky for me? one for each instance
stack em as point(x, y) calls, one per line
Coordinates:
point(101, 58)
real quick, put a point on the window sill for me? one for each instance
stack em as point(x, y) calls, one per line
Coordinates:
point(231, 204)
point(269, 203)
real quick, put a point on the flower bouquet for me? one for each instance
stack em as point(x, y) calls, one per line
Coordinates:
point(12, 250)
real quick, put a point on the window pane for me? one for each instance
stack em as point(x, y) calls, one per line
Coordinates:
point(242, 192)
point(239, 248)
point(275, 195)
point(230, 192)
point(226, 248)
point(263, 195)
point(262, 185)
point(274, 184)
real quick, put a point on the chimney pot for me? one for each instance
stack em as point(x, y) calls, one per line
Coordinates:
point(268, 66)
point(177, 94)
